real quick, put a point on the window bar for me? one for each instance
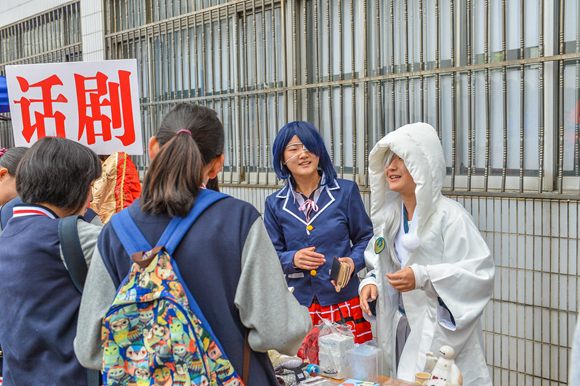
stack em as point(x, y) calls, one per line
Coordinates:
point(576, 128)
point(139, 21)
point(407, 66)
point(305, 68)
point(504, 93)
point(187, 41)
point(453, 101)
point(437, 66)
point(341, 77)
point(247, 98)
point(366, 98)
point(237, 68)
point(229, 88)
point(256, 95)
point(541, 99)
point(316, 63)
point(295, 55)
point(197, 74)
point(127, 15)
point(284, 56)
point(211, 56)
point(203, 66)
point(274, 49)
point(330, 105)
point(393, 114)
point(181, 58)
point(352, 64)
point(381, 127)
point(487, 98)
point(522, 94)
point(469, 99)
point(174, 63)
point(265, 86)
point(167, 96)
point(561, 100)
point(150, 62)
point(158, 18)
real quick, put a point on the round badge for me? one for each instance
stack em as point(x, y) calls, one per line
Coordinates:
point(313, 272)
point(310, 227)
point(379, 245)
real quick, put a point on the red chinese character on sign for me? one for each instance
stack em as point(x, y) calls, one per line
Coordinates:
point(47, 101)
point(119, 101)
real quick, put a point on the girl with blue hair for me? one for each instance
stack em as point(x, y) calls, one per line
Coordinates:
point(313, 219)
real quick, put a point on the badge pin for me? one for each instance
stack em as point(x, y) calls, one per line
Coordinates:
point(379, 245)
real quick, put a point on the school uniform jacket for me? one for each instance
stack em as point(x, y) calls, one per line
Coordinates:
point(340, 228)
point(39, 302)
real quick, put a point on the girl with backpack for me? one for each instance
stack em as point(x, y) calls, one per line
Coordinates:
point(313, 219)
point(225, 258)
point(39, 300)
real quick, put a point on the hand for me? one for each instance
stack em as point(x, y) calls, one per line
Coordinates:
point(369, 291)
point(308, 259)
point(403, 280)
point(349, 261)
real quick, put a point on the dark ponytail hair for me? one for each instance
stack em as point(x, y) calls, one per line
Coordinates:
point(190, 137)
point(11, 158)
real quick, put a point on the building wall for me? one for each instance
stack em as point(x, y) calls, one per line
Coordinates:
point(499, 82)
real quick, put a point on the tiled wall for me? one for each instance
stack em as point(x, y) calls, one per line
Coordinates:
point(93, 30)
point(529, 322)
point(91, 20)
point(13, 11)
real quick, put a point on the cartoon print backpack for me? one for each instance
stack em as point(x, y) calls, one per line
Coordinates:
point(155, 333)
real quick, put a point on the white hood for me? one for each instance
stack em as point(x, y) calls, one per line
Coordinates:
point(419, 147)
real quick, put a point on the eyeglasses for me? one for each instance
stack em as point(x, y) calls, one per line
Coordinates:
point(295, 148)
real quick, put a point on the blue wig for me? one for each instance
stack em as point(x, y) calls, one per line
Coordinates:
point(313, 142)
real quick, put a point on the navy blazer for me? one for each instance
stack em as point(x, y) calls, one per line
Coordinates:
point(340, 228)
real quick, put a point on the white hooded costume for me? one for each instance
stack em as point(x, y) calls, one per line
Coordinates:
point(448, 255)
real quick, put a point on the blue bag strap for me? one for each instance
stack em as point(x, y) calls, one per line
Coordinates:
point(179, 226)
point(128, 233)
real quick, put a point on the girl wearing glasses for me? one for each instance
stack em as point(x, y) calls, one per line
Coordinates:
point(313, 219)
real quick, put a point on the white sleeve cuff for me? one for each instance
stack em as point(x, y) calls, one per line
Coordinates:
point(366, 281)
point(422, 279)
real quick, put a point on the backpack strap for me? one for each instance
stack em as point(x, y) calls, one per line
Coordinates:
point(178, 226)
point(76, 264)
point(72, 251)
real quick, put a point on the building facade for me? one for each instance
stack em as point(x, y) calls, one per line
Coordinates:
point(498, 79)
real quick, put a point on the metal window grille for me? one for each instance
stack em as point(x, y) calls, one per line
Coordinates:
point(53, 36)
point(498, 79)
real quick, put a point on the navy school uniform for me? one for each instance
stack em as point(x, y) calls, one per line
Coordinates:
point(39, 304)
point(340, 228)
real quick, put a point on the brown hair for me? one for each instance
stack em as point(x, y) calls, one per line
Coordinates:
point(175, 176)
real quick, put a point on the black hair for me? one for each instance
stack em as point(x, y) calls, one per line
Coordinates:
point(59, 172)
point(190, 137)
point(11, 158)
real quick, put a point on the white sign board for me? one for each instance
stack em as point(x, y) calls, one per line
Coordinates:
point(93, 103)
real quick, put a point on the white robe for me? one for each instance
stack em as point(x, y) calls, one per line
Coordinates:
point(458, 263)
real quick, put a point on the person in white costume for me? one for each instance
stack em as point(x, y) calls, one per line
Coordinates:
point(430, 270)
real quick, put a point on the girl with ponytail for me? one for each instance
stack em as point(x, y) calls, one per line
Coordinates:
point(226, 258)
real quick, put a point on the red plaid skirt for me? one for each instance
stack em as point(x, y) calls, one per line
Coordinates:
point(351, 313)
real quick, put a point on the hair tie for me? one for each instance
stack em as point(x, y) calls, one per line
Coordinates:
point(2, 151)
point(185, 131)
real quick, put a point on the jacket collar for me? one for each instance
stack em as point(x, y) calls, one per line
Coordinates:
point(326, 199)
point(287, 190)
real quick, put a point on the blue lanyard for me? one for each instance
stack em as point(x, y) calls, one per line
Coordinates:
point(405, 221)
